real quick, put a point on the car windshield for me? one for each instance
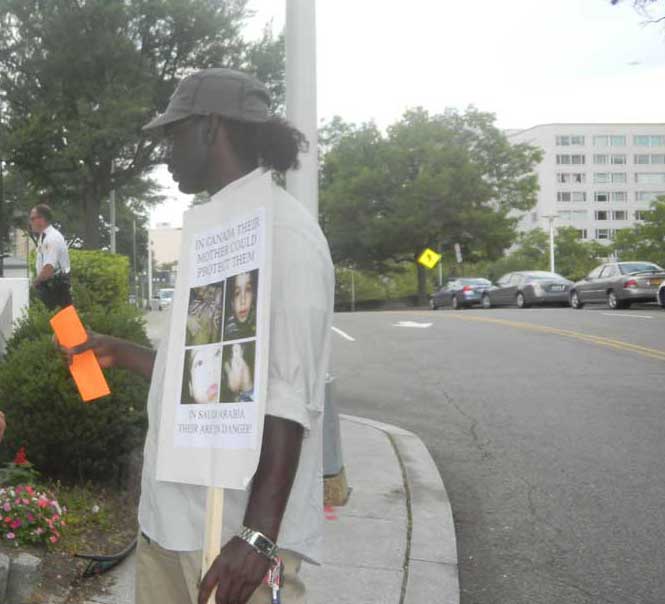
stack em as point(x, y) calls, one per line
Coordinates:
point(543, 276)
point(166, 294)
point(628, 268)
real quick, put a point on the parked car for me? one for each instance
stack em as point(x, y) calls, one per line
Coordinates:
point(619, 284)
point(661, 294)
point(165, 298)
point(527, 288)
point(460, 293)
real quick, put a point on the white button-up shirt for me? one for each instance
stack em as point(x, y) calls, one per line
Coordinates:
point(52, 249)
point(303, 285)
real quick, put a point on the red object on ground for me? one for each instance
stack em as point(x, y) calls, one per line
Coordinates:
point(20, 459)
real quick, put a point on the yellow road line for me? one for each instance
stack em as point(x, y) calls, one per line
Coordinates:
point(652, 353)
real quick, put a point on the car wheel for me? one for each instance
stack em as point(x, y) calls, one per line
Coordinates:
point(613, 302)
point(432, 304)
point(485, 302)
point(520, 300)
point(661, 298)
point(575, 301)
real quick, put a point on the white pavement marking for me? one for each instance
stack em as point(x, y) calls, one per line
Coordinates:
point(412, 324)
point(630, 316)
point(346, 336)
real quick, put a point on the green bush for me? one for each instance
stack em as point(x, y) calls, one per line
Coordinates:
point(65, 438)
point(99, 279)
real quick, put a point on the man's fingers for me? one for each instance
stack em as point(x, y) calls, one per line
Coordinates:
point(207, 585)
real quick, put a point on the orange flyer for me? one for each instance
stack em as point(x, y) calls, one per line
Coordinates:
point(85, 368)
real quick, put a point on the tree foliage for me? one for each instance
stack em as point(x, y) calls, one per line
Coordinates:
point(646, 240)
point(79, 78)
point(429, 181)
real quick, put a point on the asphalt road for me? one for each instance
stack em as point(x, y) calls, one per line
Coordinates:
point(548, 429)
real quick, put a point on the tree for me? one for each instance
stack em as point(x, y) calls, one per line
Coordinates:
point(645, 241)
point(78, 79)
point(644, 7)
point(430, 181)
point(576, 258)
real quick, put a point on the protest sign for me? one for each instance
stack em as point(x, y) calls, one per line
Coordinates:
point(217, 362)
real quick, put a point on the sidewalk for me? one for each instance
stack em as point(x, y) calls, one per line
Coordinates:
point(394, 541)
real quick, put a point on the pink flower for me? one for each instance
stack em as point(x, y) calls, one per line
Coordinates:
point(7, 507)
point(39, 531)
point(16, 524)
point(31, 518)
point(11, 536)
point(19, 489)
point(25, 501)
point(52, 539)
point(8, 520)
point(42, 503)
point(29, 490)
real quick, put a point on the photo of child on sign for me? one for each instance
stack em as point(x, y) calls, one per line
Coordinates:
point(204, 315)
point(238, 375)
point(241, 306)
point(202, 375)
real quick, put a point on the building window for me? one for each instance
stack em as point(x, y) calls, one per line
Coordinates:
point(641, 158)
point(578, 196)
point(563, 160)
point(601, 159)
point(579, 214)
point(601, 196)
point(579, 178)
point(602, 233)
point(618, 159)
point(619, 178)
point(658, 158)
point(617, 141)
point(619, 196)
point(601, 141)
point(563, 178)
point(577, 160)
point(562, 141)
point(581, 233)
point(620, 215)
point(601, 177)
point(648, 195)
point(602, 215)
point(563, 196)
point(647, 140)
point(565, 215)
point(650, 178)
point(640, 214)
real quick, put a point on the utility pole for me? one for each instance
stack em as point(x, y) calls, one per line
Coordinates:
point(112, 212)
point(2, 222)
point(135, 276)
point(551, 218)
point(149, 271)
point(301, 111)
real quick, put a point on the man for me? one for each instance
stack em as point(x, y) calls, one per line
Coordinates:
point(52, 282)
point(221, 135)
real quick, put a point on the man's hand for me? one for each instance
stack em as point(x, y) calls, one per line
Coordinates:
point(104, 347)
point(114, 352)
point(236, 573)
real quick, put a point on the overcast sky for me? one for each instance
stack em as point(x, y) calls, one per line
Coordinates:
point(527, 61)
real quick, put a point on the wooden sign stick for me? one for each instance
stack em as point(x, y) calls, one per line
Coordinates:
point(212, 543)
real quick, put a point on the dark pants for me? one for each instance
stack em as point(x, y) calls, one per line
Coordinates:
point(55, 292)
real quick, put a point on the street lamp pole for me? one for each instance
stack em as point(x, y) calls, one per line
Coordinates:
point(2, 222)
point(301, 111)
point(112, 209)
point(551, 218)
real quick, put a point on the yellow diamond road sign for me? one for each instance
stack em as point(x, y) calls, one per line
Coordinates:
point(429, 258)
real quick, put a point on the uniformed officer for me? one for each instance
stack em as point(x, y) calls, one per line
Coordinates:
point(52, 283)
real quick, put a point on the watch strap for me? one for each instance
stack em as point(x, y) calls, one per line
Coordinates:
point(262, 544)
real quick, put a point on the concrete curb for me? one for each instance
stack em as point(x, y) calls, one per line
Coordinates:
point(431, 569)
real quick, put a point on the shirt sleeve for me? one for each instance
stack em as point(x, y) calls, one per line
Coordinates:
point(299, 333)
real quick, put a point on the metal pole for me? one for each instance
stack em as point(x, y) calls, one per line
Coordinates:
point(2, 222)
point(135, 276)
point(149, 271)
point(112, 202)
point(552, 244)
point(440, 273)
point(303, 183)
point(353, 291)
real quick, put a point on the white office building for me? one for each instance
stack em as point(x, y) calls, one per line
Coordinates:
point(597, 178)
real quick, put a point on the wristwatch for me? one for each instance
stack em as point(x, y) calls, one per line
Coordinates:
point(259, 542)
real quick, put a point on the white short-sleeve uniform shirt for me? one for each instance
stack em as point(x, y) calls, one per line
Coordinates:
point(52, 249)
point(303, 285)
